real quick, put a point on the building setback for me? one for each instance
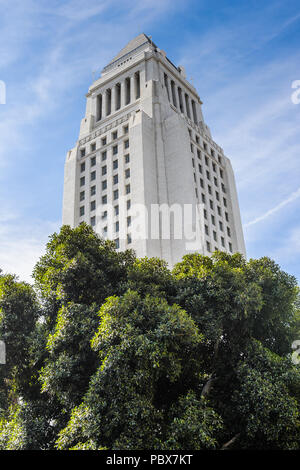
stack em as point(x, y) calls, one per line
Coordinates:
point(144, 147)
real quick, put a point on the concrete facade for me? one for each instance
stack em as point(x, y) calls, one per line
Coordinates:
point(144, 147)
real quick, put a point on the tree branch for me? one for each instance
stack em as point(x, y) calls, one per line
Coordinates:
point(229, 443)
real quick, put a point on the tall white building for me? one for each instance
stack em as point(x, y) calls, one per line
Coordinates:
point(145, 161)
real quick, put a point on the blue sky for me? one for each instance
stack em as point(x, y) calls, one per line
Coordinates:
point(242, 56)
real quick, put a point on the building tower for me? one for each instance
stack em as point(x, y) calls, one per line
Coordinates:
point(145, 171)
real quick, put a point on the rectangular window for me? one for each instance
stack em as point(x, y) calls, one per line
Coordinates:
point(116, 194)
point(208, 246)
point(115, 150)
point(129, 240)
point(93, 221)
point(93, 147)
point(93, 190)
point(228, 232)
point(128, 221)
point(223, 241)
point(127, 188)
point(126, 144)
point(128, 204)
point(104, 184)
point(117, 242)
point(81, 211)
point(93, 205)
point(82, 166)
point(93, 175)
point(93, 161)
point(82, 181)
point(126, 158)
point(230, 247)
point(114, 135)
point(103, 156)
point(82, 152)
point(82, 196)
point(115, 179)
point(104, 170)
point(125, 129)
point(127, 173)
point(103, 141)
point(104, 215)
point(104, 199)
point(221, 226)
point(117, 226)
point(116, 210)
point(115, 164)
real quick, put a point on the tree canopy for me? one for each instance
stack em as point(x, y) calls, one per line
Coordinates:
point(107, 351)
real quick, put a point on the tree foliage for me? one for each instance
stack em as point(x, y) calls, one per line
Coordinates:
point(107, 351)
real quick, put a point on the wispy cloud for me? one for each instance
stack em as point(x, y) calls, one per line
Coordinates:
point(275, 209)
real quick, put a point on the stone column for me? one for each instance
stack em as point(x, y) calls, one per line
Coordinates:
point(113, 98)
point(123, 93)
point(132, 89)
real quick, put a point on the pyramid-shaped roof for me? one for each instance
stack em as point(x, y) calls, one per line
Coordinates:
point(133, 44)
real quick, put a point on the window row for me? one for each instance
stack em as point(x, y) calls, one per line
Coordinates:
point(180, 99)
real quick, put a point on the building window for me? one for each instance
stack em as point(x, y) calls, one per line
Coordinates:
point(82, 196)
point(126, 158)
point(211, 204)
point(81, 211)
point(125, 129)
point(114, 135)
point(213, 220)
point(115, 150)
point(201, 183)
point(115, 179)
point(116, 210)
point(82, 152)
point(127, 188)
point(93, 190)
point(93, 221)
point(221, 226)
point(82, 166)
point(126, 144)
point(93, 147)
point(104, 215)
point(105, 230)
point(116, 194)
point(104, 184)
point(117, 226)
point(115, 164)
point(205, 214)
point(104, 170)
point(127, 90)
point(221, 173)
point(137, 81)
point(103, 141)
point(219, 210)
point(226, 216)
point(223, 241)
point(208, 246)
point(104, 199)
point(228, 232)
point(215, 235)
point(93, 205)
point(93, 175)
point(217, 196)
point(93, 161)
point(128, 221)
point(128, 204)
point(203, 198)
point(224, 202)
point(117, 242)
point(199, 154)
point(82, 181)
point(230, 247)
point(223, 188)
point(129, 240)
point(206, 229)
point(103, 156)
point(99, 108)
point(127, 173)
point(173, 93)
